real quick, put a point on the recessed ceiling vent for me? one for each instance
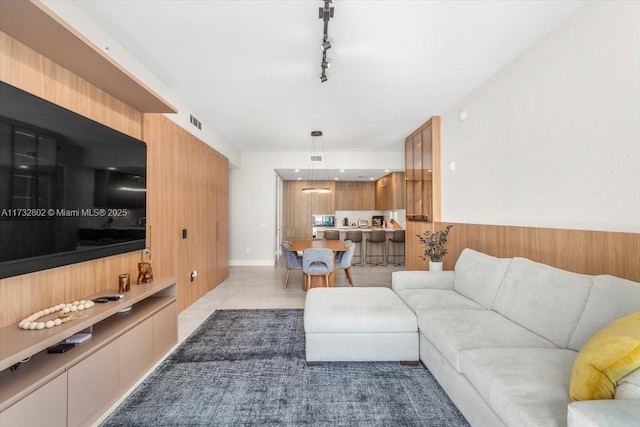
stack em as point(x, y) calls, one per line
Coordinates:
point(197, 123)
point(316, 158)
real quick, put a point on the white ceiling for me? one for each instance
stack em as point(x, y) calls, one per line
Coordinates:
point(251, 68)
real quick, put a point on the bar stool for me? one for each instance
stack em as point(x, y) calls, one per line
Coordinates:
point(397, 237)
point(356, 237)
point(377, 237)
point(332, 235)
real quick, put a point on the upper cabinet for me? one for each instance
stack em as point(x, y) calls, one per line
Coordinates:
point(355, 196)
point(422, 163)
point(390, 192)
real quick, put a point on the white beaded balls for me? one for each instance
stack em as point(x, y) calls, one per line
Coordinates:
point(30, 322)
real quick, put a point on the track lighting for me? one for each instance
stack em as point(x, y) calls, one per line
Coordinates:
point(325, 13)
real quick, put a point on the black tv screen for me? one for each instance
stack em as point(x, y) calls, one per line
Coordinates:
point(71, 189)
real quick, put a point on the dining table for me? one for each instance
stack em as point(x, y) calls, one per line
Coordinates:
point(335, 245)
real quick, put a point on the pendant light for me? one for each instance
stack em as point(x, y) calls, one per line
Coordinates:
point(316, 138)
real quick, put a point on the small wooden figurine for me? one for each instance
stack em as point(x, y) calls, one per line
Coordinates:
point(145, 273)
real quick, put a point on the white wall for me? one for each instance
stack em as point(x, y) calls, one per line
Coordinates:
point(253, 199)
point(553, 140)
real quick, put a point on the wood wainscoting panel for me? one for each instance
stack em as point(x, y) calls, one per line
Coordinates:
point(413, 250)
point(580, 251)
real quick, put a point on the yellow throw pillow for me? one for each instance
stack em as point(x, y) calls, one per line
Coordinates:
point(609, 355)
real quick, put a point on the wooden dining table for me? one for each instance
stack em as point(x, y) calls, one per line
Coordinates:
point(334, 245)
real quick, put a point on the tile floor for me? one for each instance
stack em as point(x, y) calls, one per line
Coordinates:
point(262, 287)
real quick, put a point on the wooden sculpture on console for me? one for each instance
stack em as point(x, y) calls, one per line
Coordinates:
point(145, 272)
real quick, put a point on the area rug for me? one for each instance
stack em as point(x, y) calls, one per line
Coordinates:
point(247, 367)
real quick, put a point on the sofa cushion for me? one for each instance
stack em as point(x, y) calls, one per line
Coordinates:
point(545, 300)
point(524, 386)
point(372, 309)
point(629, 386)
point(603, 413)
point(610, 298)
point(611, 354)
point(454, 330)
point(478, 276)
point(419, 299)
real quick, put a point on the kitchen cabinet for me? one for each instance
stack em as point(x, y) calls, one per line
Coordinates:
point(390, 192)
point(299, 206)
point(355, 196)
point(422, 164)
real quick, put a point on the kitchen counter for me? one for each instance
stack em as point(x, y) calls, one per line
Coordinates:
point(350, 228)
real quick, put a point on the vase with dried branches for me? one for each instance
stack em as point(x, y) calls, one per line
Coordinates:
point(433, 245)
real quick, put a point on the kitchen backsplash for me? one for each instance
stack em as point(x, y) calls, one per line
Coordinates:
point(398, 215)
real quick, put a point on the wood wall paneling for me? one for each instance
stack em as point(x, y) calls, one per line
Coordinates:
point(161, 194)
point(171, 183)
point(580, 251)
point(22, 295)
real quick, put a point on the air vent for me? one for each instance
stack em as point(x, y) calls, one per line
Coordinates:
point(316, 157)
point(197, 123)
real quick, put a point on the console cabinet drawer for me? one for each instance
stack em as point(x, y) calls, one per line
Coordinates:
point(47, 406)
point(92, 383)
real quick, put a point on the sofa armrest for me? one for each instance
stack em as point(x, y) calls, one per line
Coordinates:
point(422, 280)
point(604, 413)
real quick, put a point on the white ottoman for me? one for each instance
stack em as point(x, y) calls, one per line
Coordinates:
point(359, 324)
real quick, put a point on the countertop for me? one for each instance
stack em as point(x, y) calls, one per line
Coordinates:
point(350, 228)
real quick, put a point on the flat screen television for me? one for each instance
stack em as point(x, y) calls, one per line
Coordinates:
point(71, 189)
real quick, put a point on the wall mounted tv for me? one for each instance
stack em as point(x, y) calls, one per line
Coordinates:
point(71, 189)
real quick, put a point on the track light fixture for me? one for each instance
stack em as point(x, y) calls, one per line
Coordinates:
point(325, 13)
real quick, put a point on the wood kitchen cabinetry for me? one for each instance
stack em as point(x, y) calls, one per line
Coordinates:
point(299, 207)
point(390, 192)
point(355, 196)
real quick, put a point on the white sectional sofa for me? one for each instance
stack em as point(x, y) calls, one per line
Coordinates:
point(501, 336)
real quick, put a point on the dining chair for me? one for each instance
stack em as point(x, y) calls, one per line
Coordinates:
point(345, 258)
point(396, 239)
point(332, 235)
point(317, 262)
point(293, 261)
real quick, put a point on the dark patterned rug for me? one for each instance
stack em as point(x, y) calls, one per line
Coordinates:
point(247, 367)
